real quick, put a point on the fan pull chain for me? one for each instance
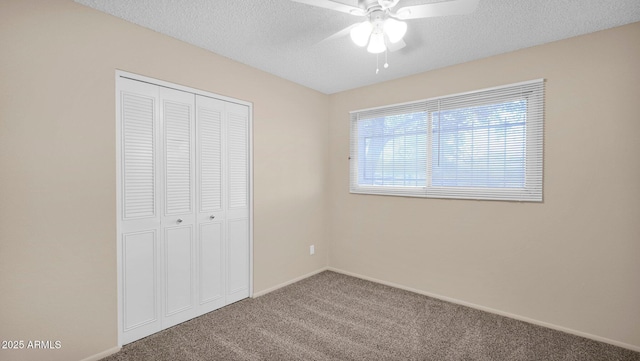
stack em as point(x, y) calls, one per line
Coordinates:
point(386, 62)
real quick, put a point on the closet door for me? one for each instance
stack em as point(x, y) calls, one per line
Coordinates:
point(183, 205)
point(138, 209)
point(237, 201)
point(177, 114)
point(210, 216)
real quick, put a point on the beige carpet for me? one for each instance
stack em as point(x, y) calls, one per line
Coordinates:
point(331, 316)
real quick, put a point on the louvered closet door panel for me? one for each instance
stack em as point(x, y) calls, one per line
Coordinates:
point(178, 142)
point(178, 221)
point(209, 139)
point(210, 215)
point(237, 165)
point(139, 152)
point(138, 149)
point(238, 156)
point(138, 209)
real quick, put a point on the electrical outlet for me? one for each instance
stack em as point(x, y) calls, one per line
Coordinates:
point(312, 250)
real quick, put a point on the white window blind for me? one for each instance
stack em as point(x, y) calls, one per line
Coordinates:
point(484, 144)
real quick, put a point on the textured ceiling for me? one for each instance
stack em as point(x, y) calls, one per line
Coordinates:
point(284, 38)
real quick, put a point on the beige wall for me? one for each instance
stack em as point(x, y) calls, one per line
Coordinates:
point(57, 167)
point(573, 260)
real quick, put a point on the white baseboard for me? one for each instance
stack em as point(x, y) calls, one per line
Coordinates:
point(102, 354)
point(271, 289)
point(491, 310)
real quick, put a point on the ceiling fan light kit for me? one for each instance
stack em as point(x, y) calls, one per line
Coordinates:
point(375, 33)
point(395, 29)
point(382, 31)
point(376, 44)
point(361, 32)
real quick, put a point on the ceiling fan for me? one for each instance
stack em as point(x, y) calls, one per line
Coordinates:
point(384, 29)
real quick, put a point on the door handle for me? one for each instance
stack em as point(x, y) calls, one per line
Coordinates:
point(179, 220)
point(212, 217)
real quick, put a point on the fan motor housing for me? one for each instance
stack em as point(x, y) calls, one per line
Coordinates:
point(376, 16)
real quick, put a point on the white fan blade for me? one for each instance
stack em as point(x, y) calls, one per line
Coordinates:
point(328, 4)
point(395, 46)
point(445, 8)
point(344, 32)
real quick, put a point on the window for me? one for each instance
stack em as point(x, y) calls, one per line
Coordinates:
point(485, 144)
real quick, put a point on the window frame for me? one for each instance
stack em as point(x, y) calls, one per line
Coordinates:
point(532, 91)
